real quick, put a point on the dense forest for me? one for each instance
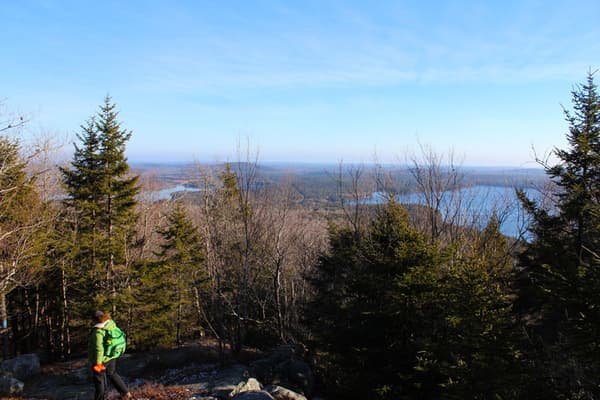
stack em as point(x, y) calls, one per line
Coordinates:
point(392, 301)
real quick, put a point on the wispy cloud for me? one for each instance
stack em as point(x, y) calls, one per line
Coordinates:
point(294, 49)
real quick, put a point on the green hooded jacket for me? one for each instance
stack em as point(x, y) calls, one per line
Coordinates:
point(96, 342)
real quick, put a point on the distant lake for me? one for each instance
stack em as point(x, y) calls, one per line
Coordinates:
point(167, 193)
point(472, 206)
point(475, 205)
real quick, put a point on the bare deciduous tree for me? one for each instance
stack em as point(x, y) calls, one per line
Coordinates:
point(438, 181)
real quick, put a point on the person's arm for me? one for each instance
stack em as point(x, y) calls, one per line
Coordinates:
point(98, 350)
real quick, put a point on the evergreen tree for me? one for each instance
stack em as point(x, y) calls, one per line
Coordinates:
point(102, 195)
point(561, 296)
point(155, 305)
point(398, 318)
point(165, 290)
point(467, 341)
point(367, 341)
point(183, 254)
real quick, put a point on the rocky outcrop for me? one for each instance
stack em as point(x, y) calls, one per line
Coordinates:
point(285, 375)
point(22, 367)
point(281, 393)
point(286, 367)
point(251, 385)
point(249, 388)
point(9, 385)
point(253, 395)
point(16, 370)
point(252, 389)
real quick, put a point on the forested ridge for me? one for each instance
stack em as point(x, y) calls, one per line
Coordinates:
point(391, 301)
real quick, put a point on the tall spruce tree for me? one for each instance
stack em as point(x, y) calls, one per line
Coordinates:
point(102, 195)
point(167, 290)
point(561, 293)
point(183, 253)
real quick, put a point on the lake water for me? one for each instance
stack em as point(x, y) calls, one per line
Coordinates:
point(474, 206)
point(167, 193)
point(471, 206)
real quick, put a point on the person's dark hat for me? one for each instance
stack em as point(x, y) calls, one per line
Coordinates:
point(98, 314)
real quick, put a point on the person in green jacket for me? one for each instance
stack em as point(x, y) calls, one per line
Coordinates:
point(103, 367)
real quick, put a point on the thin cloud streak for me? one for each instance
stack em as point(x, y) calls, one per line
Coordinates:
point(365, 53)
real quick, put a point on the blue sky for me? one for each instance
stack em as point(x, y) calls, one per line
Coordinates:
point(316, 81)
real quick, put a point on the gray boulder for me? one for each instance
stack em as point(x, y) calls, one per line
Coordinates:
point(22, 367)
point(251, 385)
point(281, 393)
point(253, 395)
point(10, 386)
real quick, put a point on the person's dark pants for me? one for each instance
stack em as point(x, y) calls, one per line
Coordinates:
point(110, 373)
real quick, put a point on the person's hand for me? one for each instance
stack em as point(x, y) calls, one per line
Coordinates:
point(99, 368)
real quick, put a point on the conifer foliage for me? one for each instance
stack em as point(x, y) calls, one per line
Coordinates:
point(353, 316)
point(562, 263)
point(101, 195)
point(168, 289)
point(397, 317)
